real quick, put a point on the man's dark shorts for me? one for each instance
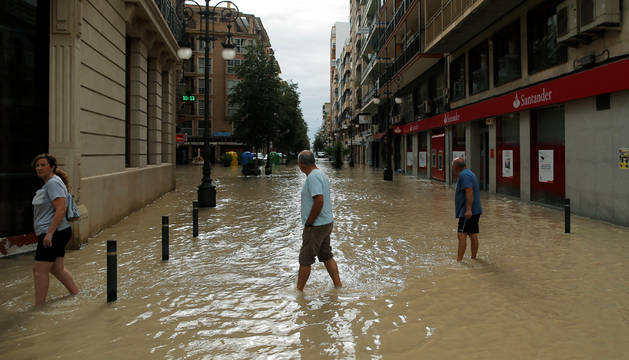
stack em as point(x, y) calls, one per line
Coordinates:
point(469, 226)
point(59, 241)
point(316, 243)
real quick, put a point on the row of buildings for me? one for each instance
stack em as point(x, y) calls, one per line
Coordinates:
point(533, 94)
point(99, 85)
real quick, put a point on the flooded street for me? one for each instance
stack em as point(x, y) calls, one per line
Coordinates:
point(535, 292)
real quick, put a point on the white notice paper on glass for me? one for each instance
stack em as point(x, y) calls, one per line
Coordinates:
point(546, 166)
point(458, 154)
point(410, 158)
point(422, 159)
point(507, 163)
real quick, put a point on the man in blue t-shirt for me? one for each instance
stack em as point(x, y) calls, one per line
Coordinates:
point(467, 207)
point(318, 221)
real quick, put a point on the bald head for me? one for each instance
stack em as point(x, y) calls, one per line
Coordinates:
point(458, 165)
point(306, 158)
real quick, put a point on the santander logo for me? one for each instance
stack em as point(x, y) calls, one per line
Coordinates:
point(451, 118)
point(540, 97)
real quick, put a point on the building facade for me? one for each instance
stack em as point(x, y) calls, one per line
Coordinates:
point(246, 30)
point(532, 93)
point(93, 83)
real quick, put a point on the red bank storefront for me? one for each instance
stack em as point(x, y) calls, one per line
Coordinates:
point(546, 104)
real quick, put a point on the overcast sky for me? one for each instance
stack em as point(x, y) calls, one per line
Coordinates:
point(300, 35)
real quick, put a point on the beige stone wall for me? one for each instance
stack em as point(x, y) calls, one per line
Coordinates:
point(102, 88)
point(113, 196)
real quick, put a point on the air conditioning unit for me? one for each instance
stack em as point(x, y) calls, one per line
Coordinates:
point(427, 106)
point(567, 21)
point(599, 14)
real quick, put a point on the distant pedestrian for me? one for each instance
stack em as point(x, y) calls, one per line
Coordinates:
point(317, 218)
point(467, 207)
point(51, 227)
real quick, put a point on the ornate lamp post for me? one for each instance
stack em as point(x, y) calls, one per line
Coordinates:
point(206, 193)
point(388, 171)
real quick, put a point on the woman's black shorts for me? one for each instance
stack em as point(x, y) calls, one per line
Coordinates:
point(469, 226)
point(59, 241)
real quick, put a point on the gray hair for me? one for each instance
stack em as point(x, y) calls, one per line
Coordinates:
point(459, 163)
point(306, 157)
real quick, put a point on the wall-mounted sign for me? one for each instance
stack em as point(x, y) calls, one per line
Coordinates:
point(364, 119)
point(507, 163)
point(410, 158)
point(623, 158)
point(189, 98)
point(546, 166)
point(180, 138)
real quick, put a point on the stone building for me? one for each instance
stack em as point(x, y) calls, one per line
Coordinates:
point(93, 83)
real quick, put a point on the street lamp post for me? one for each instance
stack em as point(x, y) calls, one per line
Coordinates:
point(206, 193)
point(388, 171)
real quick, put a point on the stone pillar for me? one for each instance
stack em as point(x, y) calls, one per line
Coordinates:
point(525, 155)
point(168, 101)
point(415, 154)
point(138, 92)
point(473, 146)
point(492, 160)
point(64, 88)
point(429, 154)
point(155, 111)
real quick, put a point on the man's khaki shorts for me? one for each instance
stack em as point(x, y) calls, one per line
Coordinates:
point(316, 242)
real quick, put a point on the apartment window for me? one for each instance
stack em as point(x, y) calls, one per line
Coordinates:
point(201, 86)
point(201, 105)
point(543, 50)
point(202, 66)
point(200, 127)
point(457, 78)
point(507, 66)
point(186, 127)
point(479, 68)
point(232, 109)
point(201, 45)
point(231, 66)
point(231, 85)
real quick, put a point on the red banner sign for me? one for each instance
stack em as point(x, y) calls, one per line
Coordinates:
point(180, 138)
point(604, 79)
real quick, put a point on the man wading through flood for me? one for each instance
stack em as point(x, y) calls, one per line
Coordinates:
point(317, 218)
point(467, 207)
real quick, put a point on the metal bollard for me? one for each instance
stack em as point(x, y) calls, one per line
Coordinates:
point(112, 271)
point(165, 238)
point(566, 209)
point(195, 218)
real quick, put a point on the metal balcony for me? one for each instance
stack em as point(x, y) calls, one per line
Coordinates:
point(452, 23)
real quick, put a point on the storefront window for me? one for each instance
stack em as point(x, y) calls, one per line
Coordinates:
point(509, 133)
point(550, 126)
point(507, 54)
point(479, 68)
point(24, 70)
point(543, 50)
point(457, 78)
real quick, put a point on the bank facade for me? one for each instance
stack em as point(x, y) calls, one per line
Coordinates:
point(533, 94)
point(93, 83)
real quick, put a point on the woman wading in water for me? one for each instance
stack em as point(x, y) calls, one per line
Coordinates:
point(51, 226)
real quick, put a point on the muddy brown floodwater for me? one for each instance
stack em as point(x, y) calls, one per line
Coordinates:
point(535, 293)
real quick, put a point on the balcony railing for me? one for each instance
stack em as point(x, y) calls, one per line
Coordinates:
point(370, 95)
point(412, 49)
point(395, 21)
point(171, 17)
point(446, 15)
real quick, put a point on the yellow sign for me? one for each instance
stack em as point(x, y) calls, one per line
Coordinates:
point(623, 158)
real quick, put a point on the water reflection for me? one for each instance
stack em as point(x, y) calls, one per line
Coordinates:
point(535, 291)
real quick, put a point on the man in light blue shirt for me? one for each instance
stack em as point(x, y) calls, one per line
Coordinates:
point(318, 221)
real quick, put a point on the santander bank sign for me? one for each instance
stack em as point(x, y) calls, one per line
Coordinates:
point(522, 100)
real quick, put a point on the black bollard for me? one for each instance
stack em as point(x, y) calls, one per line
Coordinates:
point(195, 218)
point(566, 209)
point(112, 271)
point(165, 238)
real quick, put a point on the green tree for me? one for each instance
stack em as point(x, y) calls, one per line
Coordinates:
point(256, 95)
point(319, 142)
point(268, 108)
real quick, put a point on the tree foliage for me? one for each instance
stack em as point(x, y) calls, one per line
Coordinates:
point(319, 142)
point(268, 108)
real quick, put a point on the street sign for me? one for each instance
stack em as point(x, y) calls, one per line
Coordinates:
point(180, 138)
